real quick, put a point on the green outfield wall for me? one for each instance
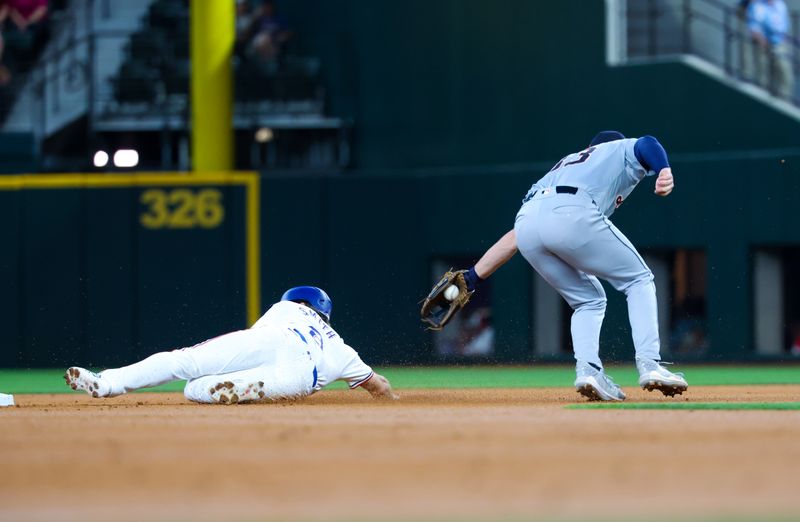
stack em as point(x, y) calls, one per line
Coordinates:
point(104, 269)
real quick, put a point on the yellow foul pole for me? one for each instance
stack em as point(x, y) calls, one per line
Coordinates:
point(212, 37)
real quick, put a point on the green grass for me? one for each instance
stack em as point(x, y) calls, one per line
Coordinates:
point(550, 376)
point(51, 381)
point(688, 406)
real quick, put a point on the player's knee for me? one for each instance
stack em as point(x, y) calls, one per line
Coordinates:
point(598, 303)
point(643, 279)
point(196, 391)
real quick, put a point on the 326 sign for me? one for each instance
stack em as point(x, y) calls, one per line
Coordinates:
point(181, 208)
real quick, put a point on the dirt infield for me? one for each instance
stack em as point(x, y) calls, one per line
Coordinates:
point(456, 454)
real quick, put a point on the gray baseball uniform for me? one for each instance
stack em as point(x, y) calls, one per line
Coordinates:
point(563, 230)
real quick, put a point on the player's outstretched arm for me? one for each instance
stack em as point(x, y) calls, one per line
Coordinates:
point(497, 255)
point(378, 386)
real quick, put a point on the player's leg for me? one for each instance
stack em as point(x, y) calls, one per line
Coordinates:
point(586, 296)
point(243, 386)
point(227, 353)
point(282, 381)
point(588, 300)
point(593, 244)
point(583, 293)
point(608, 254)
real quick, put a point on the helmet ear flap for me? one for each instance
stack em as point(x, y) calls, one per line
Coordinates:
point(325, 318)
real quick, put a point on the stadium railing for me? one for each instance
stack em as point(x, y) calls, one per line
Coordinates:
point(712, 30)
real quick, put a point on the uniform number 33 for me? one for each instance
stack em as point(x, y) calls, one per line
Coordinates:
point(182, 208)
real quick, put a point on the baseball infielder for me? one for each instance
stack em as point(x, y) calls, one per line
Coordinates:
point(563, 231)
point(290, 352)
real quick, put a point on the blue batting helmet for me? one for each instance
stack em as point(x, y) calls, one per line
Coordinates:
point(315, 297)
point(604, 136)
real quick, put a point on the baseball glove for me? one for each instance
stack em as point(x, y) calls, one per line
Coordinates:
point(437, 309)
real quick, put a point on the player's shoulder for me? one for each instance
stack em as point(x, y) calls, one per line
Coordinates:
point(278, 312)
point(612, 149)
point(625, 145)
point(285, 305)
point(297, 311)
point(611, 145)
point(335, 344)
point(282, 308)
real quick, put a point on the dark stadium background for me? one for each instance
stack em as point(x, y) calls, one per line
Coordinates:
point(398, 133)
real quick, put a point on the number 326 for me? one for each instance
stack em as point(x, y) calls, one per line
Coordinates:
point(182, 208)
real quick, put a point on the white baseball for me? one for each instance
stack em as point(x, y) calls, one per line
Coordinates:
point(451, 292)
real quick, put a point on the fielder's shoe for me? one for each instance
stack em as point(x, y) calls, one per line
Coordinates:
point(90, 382)
point(653, 376)
point(593, 383)
point(228, 392)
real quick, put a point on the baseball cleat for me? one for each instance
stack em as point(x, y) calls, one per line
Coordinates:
point(90, 382)
point(653, 376)
point(595, 385)
point(229, 393)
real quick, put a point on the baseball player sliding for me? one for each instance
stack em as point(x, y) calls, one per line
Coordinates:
point(563, 231)
point(290, 352)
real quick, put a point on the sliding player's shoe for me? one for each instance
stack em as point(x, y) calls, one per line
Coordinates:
point(92, 383)
point(228, 392)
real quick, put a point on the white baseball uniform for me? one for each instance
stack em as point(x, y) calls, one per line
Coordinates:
point(290, 348)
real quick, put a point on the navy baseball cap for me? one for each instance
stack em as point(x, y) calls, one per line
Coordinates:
point(605, 136)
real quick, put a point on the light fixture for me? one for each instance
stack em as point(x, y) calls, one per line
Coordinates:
point(126, 158)
point(264, 134)
point(100, 159)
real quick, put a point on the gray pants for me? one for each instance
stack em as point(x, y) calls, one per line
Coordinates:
point(570, 244)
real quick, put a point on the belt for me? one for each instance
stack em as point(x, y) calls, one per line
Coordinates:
point(564, 189)
point(560, 189)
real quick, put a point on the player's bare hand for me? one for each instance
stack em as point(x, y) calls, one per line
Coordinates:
point(378, 386)
point(386, 395)
point(664, 182)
